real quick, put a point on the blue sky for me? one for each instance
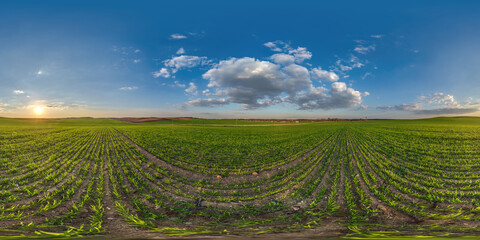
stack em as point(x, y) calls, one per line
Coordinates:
point(269, 59)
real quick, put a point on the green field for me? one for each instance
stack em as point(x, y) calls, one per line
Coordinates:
point(368, 179)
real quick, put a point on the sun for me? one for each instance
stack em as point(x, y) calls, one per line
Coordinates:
point(38, 110)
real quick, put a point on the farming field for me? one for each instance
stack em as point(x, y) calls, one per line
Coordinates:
point(102, 177)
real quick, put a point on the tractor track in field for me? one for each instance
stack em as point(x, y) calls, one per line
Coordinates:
point(409, 197)
point(232, 178)
point(226, 205)
point(225, 193)
point(36, 219)
point(388, 213)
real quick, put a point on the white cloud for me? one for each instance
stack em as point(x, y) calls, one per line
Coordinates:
point(440, 99)
point(255, 84)
point(136, 60)
point(364, 49)
point(177, 63)
point(180, 51)
point(184, 61)
point(282, 58)
point(177, 36)
point(321, 74)
point(246, 80)
point(298, 78)
point(277, 46)
point(339, 96)
point(128, 88)
point(348, 65)
point(18, 91)
point(301, 54)
point(40, 72)
point(163, 72)
point(137, 51)
point(192, 89)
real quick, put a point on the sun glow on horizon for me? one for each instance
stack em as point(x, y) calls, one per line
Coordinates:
point(38, 110)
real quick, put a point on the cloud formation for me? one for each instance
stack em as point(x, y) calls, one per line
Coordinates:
point(364, 49)
point(254, 83)
point(338, 96)
point(180, 51)
point(18, 92)
point(436, 104)
point(282, 58)
point(324, 75)
point(345, 65)
point(177, 63)
point(207, 102)
point(192, 89)
point(177, 36)
point(289, 53)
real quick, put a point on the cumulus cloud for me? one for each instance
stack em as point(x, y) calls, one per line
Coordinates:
point(301, 54)
point(325, 75)
point(277, 46)
point(192, 89)
point(298, 78)
point(163, 72)
point(282, 58)
point(440, 99)
point(177, 36)
point(288, 54)
point(136, 60)
point(255, 84)
point(128, 88)
point(339, 96)
point(18, 91)
point(177, 63)
point(246, 80)
point(180, 51)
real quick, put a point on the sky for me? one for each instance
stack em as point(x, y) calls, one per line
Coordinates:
point(239, 59)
